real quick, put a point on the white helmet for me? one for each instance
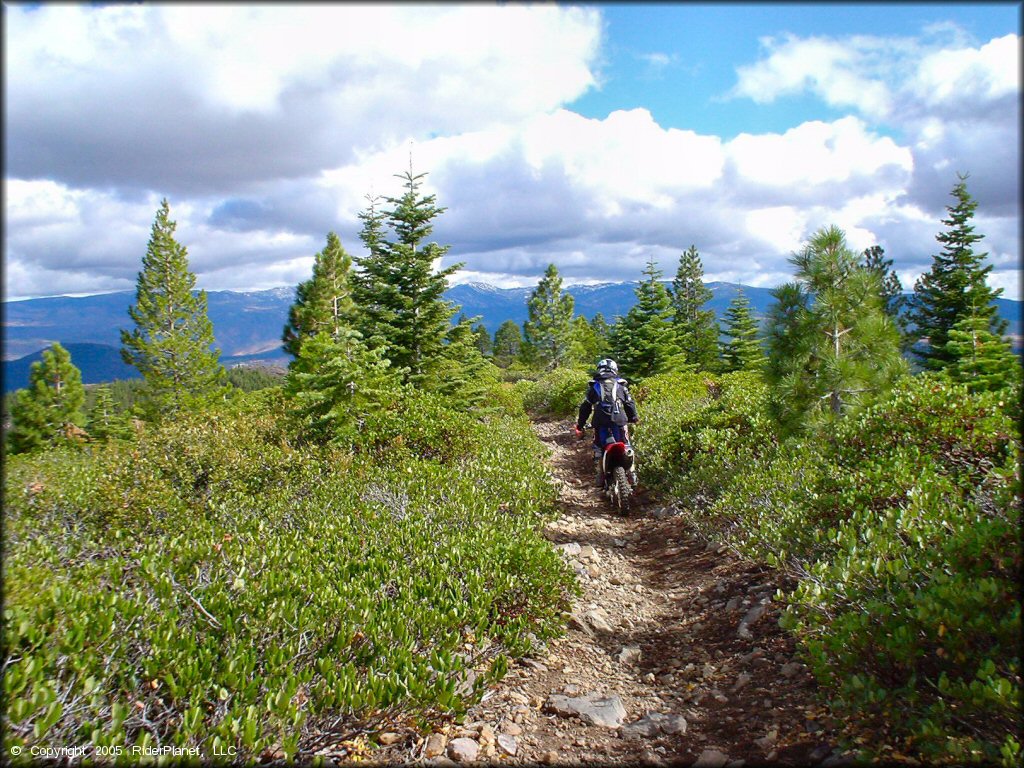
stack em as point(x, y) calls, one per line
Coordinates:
point(608, 364)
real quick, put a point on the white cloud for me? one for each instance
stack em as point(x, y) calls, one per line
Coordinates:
point(990, 72)
point(267, 126)
point(817, 153)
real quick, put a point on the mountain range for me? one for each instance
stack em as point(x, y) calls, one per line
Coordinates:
point(248, 325)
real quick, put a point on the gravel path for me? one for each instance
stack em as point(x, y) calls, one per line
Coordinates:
point(673, 653)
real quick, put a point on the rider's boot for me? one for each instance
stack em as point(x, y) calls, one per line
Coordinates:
point(598, 475)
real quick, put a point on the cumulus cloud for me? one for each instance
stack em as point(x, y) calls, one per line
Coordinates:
point(268, 127)
point(203, 98)
point(954, 103)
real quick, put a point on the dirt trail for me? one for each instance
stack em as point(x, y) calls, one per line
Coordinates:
point(667, 624)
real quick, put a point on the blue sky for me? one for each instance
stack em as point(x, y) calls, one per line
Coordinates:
point(703, 43)
point(593, 137)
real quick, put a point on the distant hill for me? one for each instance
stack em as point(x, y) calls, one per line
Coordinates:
point(248, 325)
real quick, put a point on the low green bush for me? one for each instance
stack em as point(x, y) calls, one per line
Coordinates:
point(902, 529)
point(558, 392)
point(700, 431)
point(217, 585)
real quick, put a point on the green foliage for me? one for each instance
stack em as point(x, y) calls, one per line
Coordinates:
point(172, 342)
point(980, 359)
point(124, 392)
point(465, 376)
point(324, 302)
point(696, 329)
point(585, 345)
point(165, 586)
point(743, 350)
point(891, 290)
point(483, 339)
point(831, 348)
point(105, 420)
point(42, 413)
point(507, 342)
point(336, 382)
point(955, 286)
point(250, 378)
point(558, 392)
point(645, 339)
point(398, 293)
point(901, 526)
point(548, 330)
point(700, 431)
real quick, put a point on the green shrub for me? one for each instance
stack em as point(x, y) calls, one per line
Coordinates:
point(558, 392)
point(698, 431)
point(216, 585)
point(903, 526)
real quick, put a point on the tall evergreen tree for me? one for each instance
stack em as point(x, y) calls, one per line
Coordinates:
point(42, 413)
point(743, 350)
point(398, 293)
point(955, 287)
point(645, 339)
point(172, 343)
point(507, 342)
point(324, 302)
point(549, 326)
point(836, 352)
point(696, 329)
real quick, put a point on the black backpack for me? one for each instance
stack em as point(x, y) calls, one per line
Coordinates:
point(610, 391)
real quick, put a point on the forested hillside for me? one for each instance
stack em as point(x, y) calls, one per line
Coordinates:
point(357, 560)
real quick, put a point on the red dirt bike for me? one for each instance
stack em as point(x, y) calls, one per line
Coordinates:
point(618, 467)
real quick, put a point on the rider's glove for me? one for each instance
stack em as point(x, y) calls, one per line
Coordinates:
point(635, 421)
point(579, 431)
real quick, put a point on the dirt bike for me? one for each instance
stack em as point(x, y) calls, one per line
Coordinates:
point(618, 468)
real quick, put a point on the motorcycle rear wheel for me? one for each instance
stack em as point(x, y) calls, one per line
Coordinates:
point(621, 491)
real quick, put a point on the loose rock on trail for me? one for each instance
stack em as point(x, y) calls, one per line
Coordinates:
point(673, 653)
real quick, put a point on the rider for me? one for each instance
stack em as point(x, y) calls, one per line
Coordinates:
point(608, 397)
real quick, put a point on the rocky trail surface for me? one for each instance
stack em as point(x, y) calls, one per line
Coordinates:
point(673, 654)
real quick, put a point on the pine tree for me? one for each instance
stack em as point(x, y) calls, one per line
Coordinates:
point(549, 327)
point(645, 339)
point(482, 339)
point(507, 342)
point(464, 374)
point(696, 329)
point(42, 414)
point(105, 421)
point(324, 302)
point(398, 294)
point(955, 287)
point(832, 354)
point(743, 350)
point(172, 343)
point(979, 358)
point(336, 382)
point(873, 259)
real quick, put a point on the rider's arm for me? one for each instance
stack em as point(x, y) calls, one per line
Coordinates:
point(629, 404)
point(585, 408)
